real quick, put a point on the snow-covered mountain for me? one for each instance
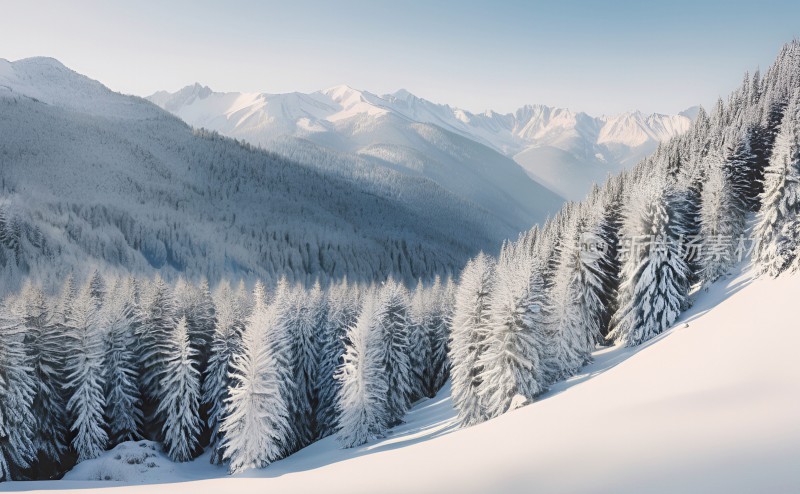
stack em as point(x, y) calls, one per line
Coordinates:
point(564, 150)
point(88, 175)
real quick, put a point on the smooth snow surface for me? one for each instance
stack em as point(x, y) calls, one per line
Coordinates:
point(709, 407)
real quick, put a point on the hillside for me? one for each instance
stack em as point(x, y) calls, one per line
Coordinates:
point(707, 407)
point(90, 176)
point(564, 150)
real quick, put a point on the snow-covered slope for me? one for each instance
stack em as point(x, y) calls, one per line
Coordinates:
point(88, 176)
point(709, 406)
point(540, 138)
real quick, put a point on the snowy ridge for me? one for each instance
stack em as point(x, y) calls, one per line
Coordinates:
point(339, 117)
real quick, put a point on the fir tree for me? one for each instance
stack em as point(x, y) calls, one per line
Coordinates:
point(44, 342)
point(85, 376)
point(255, 429)
point(778, 226)
point(341, 314)
point(179, 405)
point(511, 362)
point(654, 284)
point(17, 392)
point(362, 399)
point(722, 221)
point(471, 319)
point(123, 409)
point(439, 304)
point(419, 342)
point(157, 323)
point(225, 344)
point(394, 324)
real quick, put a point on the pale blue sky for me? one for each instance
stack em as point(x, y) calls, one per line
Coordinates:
point(599, 57)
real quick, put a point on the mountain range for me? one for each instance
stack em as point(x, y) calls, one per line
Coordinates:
point(563, 150)
point(89, 176)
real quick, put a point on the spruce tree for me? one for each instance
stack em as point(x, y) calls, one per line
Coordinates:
point(44, 342)
point(362, 401)
point(231, 312)
point(123, 408)
point(17, 393)
point(419, 341)
point(85, 376)
point(654, 284)
point(394, 327)
point(341, 314)
point(511, 362)
point(179, 404)
point(470, 329)
point(439, 314)
point(157, 323)
point(777, 229)
point(255, 429)
point(722, 221)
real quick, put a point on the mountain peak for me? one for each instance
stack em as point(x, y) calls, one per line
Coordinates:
point(42, 61)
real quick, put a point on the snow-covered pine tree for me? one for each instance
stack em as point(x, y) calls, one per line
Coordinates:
point(722, 220)
point(281, 336)
point(98, 284)
point(44, 343)
point(179, 405)
point(196, 304)
point(85, 376)
point(470, 327)
point(157, 322)
point(362, 398)
point(300, 322)
point(231, 312)
point(17, 392)
point(123, 407)
point(341, 314)
point(394, 327)
point(419, 343)
point(654, 285)
point(512, 368)
point(740, 168)
point(777, 230)
point(255, 429)
point(439, 309)
point(575, 302)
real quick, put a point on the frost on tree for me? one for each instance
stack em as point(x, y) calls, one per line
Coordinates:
point(439, 305)
point(123, 407)
point(470, 328)
point(778, 228)
point(255, 428)
point(722, 220)
point(17, 392)
point(362, 400)
point(230, 314)
point(393, 323)
point(342, 311)
point(576, 296)
point(44, 343)
point(157, 323)
point(85, 376)
point(179, 406)
point(418, 344)
point(654, 284)
point(511, 362)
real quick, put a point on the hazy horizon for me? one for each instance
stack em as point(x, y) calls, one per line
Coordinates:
point(600, 59)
